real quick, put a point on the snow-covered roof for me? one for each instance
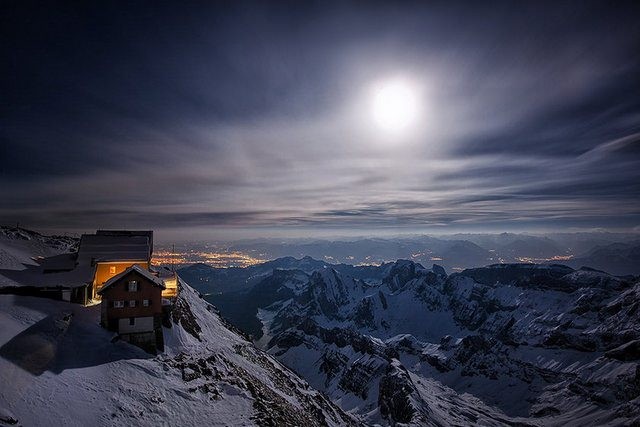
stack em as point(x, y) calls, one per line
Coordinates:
point(144, 233)
point(33, 276)
point(134, 268)
point(101, 247)
point(59, 262)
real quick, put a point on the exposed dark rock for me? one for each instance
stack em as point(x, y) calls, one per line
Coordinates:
point(287, 339)
point(523, 275)
point(439, 270)
point(560, 339)
point(364, 315)
point(441, 364)
point(546, 411)
point(358, 376)
point(400, 273)
point(332, 363)
point(445, 342)
point(396, 396)
point(383, 300)
point(626, 352)
point(182, 315)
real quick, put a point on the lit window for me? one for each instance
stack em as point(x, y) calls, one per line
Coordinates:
point(132, 303)
point(112, 269)
point(118, 304)
point(145, 302)
point(133, 286)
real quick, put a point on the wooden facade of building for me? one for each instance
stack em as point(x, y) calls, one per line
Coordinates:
point(105, 271)
point(132, 307)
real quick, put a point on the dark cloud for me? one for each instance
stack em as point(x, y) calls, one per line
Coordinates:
point(250, 114)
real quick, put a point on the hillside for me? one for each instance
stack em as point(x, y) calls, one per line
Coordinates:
point(59, 367)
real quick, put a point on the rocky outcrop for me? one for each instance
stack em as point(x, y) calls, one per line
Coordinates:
point(397, 397)
point(626, 352)
point(400, 273)
point(182, 315)
point(358, 378)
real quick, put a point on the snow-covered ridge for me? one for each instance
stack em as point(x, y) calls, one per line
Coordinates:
point(59, 367)
point(19, 246)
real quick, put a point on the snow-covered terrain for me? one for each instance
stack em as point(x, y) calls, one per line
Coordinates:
point(59, 367)
point(503, 344)
point(19, 247)
point(396, 344)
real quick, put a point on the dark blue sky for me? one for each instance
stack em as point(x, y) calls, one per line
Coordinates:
point(251, 119)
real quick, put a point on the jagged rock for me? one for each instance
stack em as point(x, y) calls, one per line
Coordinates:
point(472, 345)
point(396, 396)
point(437, 362)
point(445, 342)
point(383, 300)
point(332, 363)
point(182, 314)
point(359, 375)
point(400, 273)
point(560, 339)
point(364, 315)
point(439, 270)
point(626, 352)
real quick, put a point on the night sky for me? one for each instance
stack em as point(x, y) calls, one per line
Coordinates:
point(249, 119)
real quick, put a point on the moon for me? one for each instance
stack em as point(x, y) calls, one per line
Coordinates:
point(395, 105)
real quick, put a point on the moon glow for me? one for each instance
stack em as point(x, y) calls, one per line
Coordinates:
point(395, 106)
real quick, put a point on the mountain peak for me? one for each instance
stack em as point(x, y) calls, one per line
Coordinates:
point(400, 273)
point(439, 270)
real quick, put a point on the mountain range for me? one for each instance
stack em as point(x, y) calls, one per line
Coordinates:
point(307, 342)
point(621, 258)
point(503, 344)
point(460, 251)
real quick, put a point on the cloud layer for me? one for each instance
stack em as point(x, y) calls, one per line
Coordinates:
point(256, 116)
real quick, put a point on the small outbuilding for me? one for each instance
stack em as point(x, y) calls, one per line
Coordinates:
point(132, 307)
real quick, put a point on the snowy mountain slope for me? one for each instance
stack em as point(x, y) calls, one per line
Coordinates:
point(59, 367)
point(545, 345)
point(19, 246)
